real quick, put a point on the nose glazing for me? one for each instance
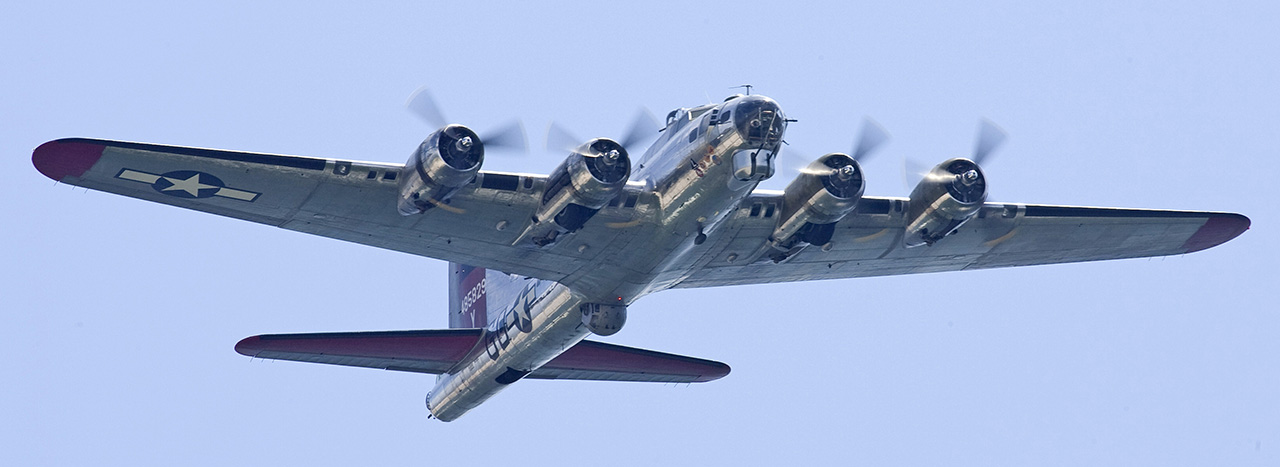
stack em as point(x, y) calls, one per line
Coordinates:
point(759, 119)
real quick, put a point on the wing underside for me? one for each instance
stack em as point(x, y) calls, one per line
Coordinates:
point(342, 199)
point(355, 201)
point(437, 351)
point(869, 241)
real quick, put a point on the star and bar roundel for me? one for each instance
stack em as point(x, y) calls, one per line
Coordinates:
point(187, 184)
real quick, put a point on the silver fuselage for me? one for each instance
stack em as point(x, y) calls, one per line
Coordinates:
point(705, 162)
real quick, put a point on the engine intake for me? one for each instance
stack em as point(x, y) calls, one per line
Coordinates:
point(446, 161)
point(826, 190)
point(950, 195)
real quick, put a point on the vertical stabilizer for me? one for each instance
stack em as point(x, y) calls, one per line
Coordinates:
point(468, 300)
point(478, 295)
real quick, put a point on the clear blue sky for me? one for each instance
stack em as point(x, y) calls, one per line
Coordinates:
point(118, 317)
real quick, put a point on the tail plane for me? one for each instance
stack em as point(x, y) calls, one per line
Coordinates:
point(437, 351)
point(476, 297)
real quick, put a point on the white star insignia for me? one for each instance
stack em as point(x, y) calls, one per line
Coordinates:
point(191, 185)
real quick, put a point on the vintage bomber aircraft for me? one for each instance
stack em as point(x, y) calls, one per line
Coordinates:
point(576, 247)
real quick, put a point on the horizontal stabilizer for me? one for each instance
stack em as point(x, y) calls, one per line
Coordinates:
point(437, 351)
point(591, 360)
point(434, 351)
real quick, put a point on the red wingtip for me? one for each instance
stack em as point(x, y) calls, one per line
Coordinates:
point(246, 346)
point(64, 158)
point(1217, 230)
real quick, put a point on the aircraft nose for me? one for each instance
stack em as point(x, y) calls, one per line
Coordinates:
point(759, 119)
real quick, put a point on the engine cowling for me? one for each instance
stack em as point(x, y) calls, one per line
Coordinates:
point(589, 178)
point(948, 196)
point(592, 175)
point(446, 161)
point(825, 191)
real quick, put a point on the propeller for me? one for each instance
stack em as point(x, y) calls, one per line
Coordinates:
point(424, 106)
point(510, 136)
point(643, 127)
point(912, 167)
point(560, 139)
point(990, 137)
point(870, 137)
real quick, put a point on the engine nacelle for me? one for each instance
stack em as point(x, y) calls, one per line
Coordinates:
point(446, 161)
point(824, 192)
point(950, 195)
point(589, 178)
point(604, 320)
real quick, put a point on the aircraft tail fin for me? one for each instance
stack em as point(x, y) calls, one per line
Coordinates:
point(477, 295)
point(468, 297)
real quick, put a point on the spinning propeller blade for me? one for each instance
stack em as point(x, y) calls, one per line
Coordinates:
point(870, 137)
point(509, 137)
point(424, 106)
point(559, 139)
point(643, 127)
point(990, 137)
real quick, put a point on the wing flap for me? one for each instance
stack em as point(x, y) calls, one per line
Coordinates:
point(598, 361)
point(434, 351)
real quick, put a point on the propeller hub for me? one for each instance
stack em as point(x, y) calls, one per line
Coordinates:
point(612, 156)
point(969, 177)
point(845, 173)
point(464, 144)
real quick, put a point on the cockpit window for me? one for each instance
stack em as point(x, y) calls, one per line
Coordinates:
point(676, 119)
point(724, 116)
point(696, 112)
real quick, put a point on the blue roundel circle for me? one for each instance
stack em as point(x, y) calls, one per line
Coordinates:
point(188, 184)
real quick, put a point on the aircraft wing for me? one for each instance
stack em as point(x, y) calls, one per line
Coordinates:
point(868, 242)
point(346, 200)
point(437, 351)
